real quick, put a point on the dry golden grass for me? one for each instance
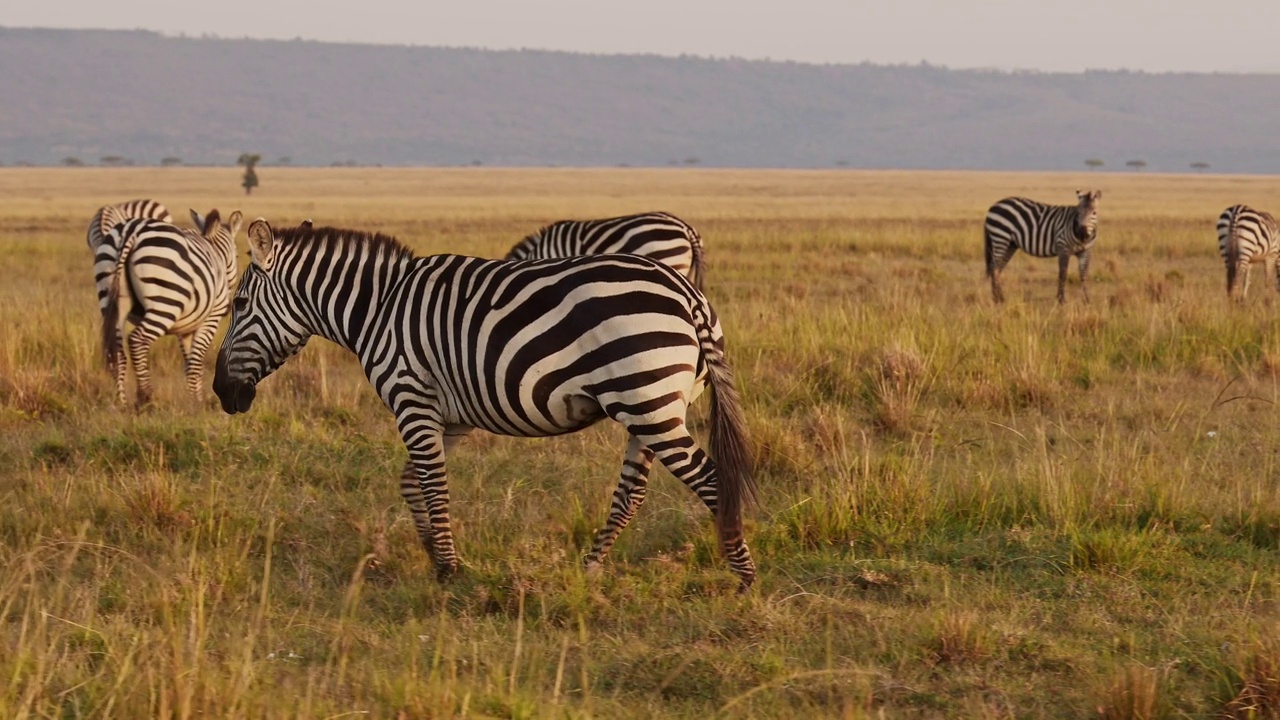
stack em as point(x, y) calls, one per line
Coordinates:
point(1023, 511)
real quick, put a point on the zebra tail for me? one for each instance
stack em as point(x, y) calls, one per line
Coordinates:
point(697, 266)
point(736, 487)
point(114, 315)
point(986, 250)
point(1233, 253)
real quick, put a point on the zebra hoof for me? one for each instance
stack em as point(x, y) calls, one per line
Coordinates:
point(745, 583)
point(445, 573)
point(592, 567)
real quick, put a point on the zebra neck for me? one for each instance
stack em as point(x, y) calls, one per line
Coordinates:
point(345, 303)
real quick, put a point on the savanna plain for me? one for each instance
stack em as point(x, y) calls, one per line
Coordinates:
point(966, 510)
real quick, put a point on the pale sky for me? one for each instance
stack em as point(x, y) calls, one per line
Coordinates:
point(1152, 35)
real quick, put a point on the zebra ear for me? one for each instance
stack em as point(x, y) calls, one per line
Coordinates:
point(212, 224)
point(261, 243)
point(234, 221)
point(198, 219)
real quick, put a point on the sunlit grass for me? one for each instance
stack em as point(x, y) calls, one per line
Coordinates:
point(967, 510)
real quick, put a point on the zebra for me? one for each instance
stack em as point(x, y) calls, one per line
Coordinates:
point(105, 253)
point(658, 235)
point(1246, 236)
point(529, 349)
point(168, 281)
point(1041, 230)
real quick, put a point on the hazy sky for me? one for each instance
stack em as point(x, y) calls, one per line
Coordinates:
point(1182, 35)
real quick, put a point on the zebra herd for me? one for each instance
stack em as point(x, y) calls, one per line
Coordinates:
point(583, 320)
point(1245, 236)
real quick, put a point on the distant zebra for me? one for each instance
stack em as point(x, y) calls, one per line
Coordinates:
point(657, 235)
point(1042, 231)
point(1246, 236)
point(168, 281)
point(529, 349)
point(105, 253)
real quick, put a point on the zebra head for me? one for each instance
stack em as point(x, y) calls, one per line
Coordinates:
point(1087, 212)
point(267, 327)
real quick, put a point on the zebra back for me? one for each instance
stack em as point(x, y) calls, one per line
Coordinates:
point(659, 236)
point(110, 215)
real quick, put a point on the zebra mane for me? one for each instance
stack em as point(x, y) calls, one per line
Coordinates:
point(372, 243)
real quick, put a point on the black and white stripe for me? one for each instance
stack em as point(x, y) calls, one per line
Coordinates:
point(1042, 231)
point(168, 281)
point(657, 235)
point(104, 252)
point(1247, 236)
point(529, 349)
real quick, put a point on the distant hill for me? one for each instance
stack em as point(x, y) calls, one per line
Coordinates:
point(143, 96)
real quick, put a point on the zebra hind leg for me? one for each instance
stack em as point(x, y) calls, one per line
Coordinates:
point(627, 500)
point(120, 370)
point(140, 341)
point(675, 448)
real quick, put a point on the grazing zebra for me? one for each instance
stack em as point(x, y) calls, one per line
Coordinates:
point(529, 349)
point(1246, 236)
point(657, 235)
point(168, 281)
point(105, 253)
point(1042, 231)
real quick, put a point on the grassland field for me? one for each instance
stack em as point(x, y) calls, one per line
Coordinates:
point(967, 510)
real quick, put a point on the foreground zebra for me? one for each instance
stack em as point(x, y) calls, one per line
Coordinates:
point(168, 281)
point(104, 252)
point(529, 349)
point(657, 235)
point(1042, 231)
point(1246, 236)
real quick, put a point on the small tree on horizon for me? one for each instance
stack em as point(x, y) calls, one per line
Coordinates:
point(1094, 163)
point(72, 162)
point(114, 160)
point(1136, 164)
point(1200, 166)
point(249, 161)
point(170, 161)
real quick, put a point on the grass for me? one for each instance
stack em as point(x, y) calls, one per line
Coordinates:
point(1023, 511)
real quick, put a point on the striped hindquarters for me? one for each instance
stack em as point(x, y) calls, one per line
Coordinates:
point(658, 236)
point(1020, 224)
point(1247, 234)
point(170, 273)
point(105, 252)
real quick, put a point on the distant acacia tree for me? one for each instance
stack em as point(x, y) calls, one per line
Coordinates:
point(284, 160)
point(114, 160)
point(1200, 166)
point(842, 163)
point(72, 162)
point(1136, 164)
point(1094, 163)
point(170, 161)
point(250, 180)
point(691, 161)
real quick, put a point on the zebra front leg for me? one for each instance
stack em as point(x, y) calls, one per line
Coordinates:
point(675, 448)
point(418, 418)
point(140, 341)
point(1082, 261)
point(1064, 259)
point(411, 491)
point(195, 347)
point(627, 499)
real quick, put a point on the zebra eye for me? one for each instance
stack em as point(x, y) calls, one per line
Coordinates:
point(241, 304)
